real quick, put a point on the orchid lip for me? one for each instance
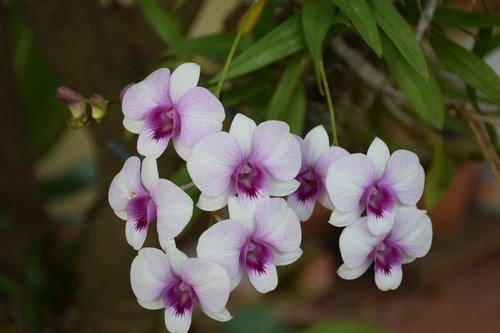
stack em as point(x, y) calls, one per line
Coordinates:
point(309, 185)
point(249, 179)
point(386, 255)
point(142, 210)
point(378, 199)
point(179, 296)
point(255, 256)
point(162, 121)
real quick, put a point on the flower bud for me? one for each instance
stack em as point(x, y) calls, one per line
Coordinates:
point(99, 107)
point(75, 103)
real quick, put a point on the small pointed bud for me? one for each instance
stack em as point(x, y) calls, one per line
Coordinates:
point(99, 107)
point(74, 101)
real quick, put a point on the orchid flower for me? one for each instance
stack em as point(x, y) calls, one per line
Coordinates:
point(175, 282)
point(139, 196)
point(410, 238)
point(255, 241)
point(377, 182)
point(164, 107)
point(250, 161)
point(317, 156)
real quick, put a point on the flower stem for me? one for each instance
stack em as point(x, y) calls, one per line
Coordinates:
point(186, 186)
point(335, 140)
point(233, 49)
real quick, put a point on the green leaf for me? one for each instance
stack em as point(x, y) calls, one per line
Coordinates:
point(468, 66)
point(281, 98)
point(296, 111)
point(213, 46)
point(166, 26)
point(361, 17)
point(394, 25)
point(438, 178)
point(423, 95)
point(284, 40)
point(316, 20)
point(460, 18)
point(342, 328)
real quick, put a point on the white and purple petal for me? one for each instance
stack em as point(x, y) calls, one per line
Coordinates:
point(243, 129)
point(150, 274)
point(412, 232)
point(315, 143)
point(277, 225)
point(174, 208)
point(276, 150)
point(213, 162)
point(184, 78)
point(379, 153)
point(347, 180)
point(209, 281)
point(125, 185)
point(405, 176)
point(142, 97)
point(200, 114)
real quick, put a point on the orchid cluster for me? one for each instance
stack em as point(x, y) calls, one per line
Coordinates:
point(250, 169)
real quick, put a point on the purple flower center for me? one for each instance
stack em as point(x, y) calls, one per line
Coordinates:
point(162, 121)
point(386, 255)
point(179, 296)
point(142, 210)
point(309, 185)
point(378, 200)
point(255, 256)
point(250, 179)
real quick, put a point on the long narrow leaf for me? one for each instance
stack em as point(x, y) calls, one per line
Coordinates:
point(468, 66)
point(284, 91)
point(316, 20)
point(361, 17)
point(423, 95)
point(296, 112)
point(284, 40)
point(165, 26)
point(394, 25)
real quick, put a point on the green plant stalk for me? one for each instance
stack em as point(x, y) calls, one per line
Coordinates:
point(335, 140)
point(233, 49)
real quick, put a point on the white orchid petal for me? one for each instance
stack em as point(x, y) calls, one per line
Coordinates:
point(341, 219)
point(356, 243)
point(183, 78)
point(212, 163)
point(150, 274)
point(174, 208)
point(149, 172)
point(389, 280)
point(277, 225)
point(379, 153)
point(405, 176)
point(243, 129)
point(315, 142)
point(264, 281)
point(286, 258)
point(133, 126)
point(209, 281)
point(347, 273)
point(347, 179)
point(177, 323)
point(412, 232)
